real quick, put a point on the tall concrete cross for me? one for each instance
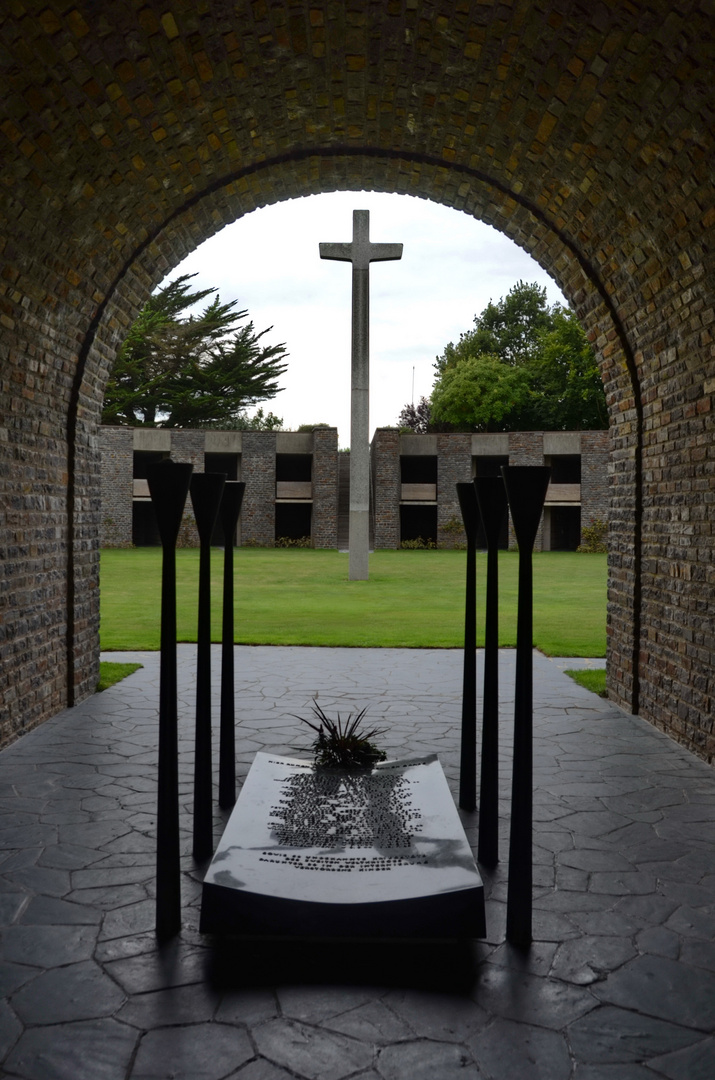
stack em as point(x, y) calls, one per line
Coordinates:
point(360, 253)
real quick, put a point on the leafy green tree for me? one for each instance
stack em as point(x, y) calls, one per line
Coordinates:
point(190, 371)
point(480, 393)
point(525, 366)
point(567, 391)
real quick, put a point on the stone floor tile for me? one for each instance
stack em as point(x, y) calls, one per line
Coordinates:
point(68, 857)
point(662, 942)
point(250, 1006)
point(552, 925)
point(537, 960)
point(424, 1060)
point(123, 947)
point(260, 1069)
point(663, 988)
point(372, 1023)
point(439, 1017)
point(10, 1029)
point(587, 959)
point(30, 836)
point(76, 992)
point(314, 1004)
point(693, 923)
point(623, 883)
point(136, 918)
point(13, 976)
point(610, 1034)
point(193, 1052)
point(505, 1049)
point(627, 1071)
point(696, 1062)
point(11, 904)
point(190, 1004)
point(66, 1055)
point(48, 946)
point(94, 834)
point(41, 879)
point(50, 911)
point(530, 999)
point(174, 965)
point(311, 1052)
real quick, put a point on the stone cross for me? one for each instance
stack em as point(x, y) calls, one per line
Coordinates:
point(360, 252)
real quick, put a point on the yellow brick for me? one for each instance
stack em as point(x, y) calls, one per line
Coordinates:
point(169, 24)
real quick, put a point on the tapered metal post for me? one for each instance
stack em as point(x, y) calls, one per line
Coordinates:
point(526, 491)
point(468, 757)
point(491, 500)
point(206, 490)
point(228, 514)
point(168, 487)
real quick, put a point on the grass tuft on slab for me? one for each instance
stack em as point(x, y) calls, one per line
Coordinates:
point(593, 680)
point(413, 599)
point(111, 672)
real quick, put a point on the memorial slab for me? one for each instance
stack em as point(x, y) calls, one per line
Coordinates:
point(322, 853)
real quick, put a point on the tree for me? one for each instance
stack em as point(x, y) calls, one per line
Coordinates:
point(417, 417)
point(480, 393)
point(508, 330)
point(260, 421)
point(192, 371)
point(525, 366)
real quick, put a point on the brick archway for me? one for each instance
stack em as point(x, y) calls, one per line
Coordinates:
point(582, 134)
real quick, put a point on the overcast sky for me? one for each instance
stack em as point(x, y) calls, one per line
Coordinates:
point(451, 267)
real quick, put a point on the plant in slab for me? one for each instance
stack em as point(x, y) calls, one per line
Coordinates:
point(343, 744)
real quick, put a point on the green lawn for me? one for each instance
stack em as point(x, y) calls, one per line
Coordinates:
point(111, 673)
point(595, 681)
point(304, 597)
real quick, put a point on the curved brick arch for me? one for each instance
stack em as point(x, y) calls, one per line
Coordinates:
point(482, 196)
point(583, 132)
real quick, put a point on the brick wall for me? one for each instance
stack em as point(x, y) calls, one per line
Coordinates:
point(258, 471)
point(385, 466)
point(454, 465)
point(595, 447)
point(188, 446)
point(117, 460)
point(325, 488)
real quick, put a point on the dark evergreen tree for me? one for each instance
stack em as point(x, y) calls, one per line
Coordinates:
point(190, 371)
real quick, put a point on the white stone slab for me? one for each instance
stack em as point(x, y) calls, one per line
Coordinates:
point(375, 854)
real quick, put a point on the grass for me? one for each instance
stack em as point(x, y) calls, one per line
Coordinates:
point(111, 673)
point(303, 597)
point(595, 681)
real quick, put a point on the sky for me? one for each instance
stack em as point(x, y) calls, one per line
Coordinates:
point(451, 267)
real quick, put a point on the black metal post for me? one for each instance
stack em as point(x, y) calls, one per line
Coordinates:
point(228, 514)
point(206, 490)
point(491, 500)
point(168, 487)
point(526, 491)
point(468, 757)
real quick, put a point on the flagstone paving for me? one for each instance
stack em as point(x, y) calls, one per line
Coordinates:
point(618, 985)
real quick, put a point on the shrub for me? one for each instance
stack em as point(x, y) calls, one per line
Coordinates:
point(594, 537)
point(343, 744)
point(293, 542)
point(418, 544)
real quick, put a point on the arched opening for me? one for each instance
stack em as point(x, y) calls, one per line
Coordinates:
point(522, 222)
